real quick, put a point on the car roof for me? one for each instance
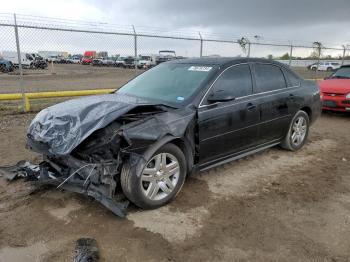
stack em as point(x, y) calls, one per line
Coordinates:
point(222, 61)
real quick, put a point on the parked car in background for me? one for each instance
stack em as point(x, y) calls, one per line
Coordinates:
point(12, 56)
point(325, 66)
point(120, 62)
point(74, 60)
point(6, 66)
point(146, 61)
point(97, 62)
point(107, 61)
point(129, 62)
point(52, 58)
point(165, 55)
point(335, 90)
point(88, 57)
point(176, 118)
point(39, 62)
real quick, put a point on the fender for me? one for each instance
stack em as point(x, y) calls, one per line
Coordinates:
point(138, 164)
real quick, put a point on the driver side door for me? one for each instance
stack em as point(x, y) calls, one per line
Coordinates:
point(226, 128)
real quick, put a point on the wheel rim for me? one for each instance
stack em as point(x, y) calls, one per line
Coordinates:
point(299, 129)
point(160, 176)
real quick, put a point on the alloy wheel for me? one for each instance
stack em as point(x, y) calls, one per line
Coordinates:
point(299, 130)
point(160, 176)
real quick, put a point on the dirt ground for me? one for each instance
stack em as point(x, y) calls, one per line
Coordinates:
point(78, 77)
point(273, 206)
point(67, 77)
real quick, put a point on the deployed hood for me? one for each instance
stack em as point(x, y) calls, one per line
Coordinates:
point(64, 126)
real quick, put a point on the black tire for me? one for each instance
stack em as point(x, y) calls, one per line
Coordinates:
point(132, 186)
point(287, 142)
point(313, 68)
point(329, 69)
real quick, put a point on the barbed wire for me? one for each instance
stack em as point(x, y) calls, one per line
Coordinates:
point(50, 23)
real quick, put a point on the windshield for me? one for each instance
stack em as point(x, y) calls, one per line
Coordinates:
point(170, 83)
point(343, 72)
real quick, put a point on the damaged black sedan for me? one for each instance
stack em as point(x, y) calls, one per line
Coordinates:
point(141, 142)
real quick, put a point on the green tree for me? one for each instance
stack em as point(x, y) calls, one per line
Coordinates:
point(285, 56)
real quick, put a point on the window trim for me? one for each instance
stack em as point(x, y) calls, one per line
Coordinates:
point(252, 73)
point(270, 64)
point(212, 84)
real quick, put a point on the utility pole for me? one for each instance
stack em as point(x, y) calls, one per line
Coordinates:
point(201, 45)
point(19, 57)
point(135, 44)
point(290, 55)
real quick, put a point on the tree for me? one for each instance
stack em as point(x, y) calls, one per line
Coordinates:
point(243, 42)
point(285, 56)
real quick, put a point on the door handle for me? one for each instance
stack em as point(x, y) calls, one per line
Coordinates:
point(250, 106)
point(291, 97)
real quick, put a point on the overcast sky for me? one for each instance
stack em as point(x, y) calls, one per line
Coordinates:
point(301, 21)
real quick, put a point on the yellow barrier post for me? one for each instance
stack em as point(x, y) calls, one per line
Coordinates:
point(28, 96)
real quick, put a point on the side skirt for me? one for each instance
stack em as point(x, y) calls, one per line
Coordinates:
point(242, 154)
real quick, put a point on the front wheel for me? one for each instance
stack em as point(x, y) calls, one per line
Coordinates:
point(161, 179)
point(298, 132)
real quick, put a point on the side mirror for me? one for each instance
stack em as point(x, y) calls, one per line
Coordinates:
point(220, 96)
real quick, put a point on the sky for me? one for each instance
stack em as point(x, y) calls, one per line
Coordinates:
point(279, 21)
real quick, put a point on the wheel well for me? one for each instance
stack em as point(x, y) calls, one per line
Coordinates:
point(186, 149)
point(308, 111)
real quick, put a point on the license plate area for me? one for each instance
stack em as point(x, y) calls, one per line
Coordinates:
point(329, 103)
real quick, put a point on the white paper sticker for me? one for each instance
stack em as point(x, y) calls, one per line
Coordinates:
point(200, 68)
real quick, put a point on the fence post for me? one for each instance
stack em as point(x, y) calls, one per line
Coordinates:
point(201, 46)
point(19, 57)
point(318, 62)
point(343, 58)
point(135, 43)
point(290, 55)
point(248, 54)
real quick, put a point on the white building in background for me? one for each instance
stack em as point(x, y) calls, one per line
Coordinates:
point(46, 54)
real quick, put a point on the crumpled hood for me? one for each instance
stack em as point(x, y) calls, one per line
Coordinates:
point(64, 126)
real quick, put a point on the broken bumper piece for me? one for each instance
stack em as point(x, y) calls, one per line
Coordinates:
point(93, 180)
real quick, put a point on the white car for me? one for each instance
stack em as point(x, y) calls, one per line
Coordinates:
point(325, 66)
point(74, 60)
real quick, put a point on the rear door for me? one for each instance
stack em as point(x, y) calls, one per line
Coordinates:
point(273, 100)
point(228, 127)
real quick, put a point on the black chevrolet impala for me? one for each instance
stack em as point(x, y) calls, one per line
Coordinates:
point(182, 116)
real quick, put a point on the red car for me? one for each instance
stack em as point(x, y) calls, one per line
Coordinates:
point(335, 90)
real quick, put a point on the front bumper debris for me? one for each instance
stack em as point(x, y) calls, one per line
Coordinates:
point(91, 180)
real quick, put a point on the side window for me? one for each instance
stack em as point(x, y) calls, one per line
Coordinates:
point(293, 79)
point(269, 77)
point(236, 81)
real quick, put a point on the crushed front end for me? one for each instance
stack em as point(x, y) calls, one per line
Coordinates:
point(85, 142)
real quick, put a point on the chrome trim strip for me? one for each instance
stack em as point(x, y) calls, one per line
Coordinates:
point(238, 98)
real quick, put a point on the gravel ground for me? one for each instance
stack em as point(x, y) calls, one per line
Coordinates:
point(273, 206)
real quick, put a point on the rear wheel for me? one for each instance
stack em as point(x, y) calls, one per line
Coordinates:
point(298, 132)
point(329, 69)
point(161, 179)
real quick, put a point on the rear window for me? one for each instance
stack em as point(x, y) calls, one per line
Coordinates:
point(293, 80)
point(269, 77)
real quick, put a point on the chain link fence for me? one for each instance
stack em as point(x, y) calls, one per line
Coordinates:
point(49, 54)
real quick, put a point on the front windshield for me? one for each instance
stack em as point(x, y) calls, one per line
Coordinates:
point(170, 83)
point(343, 72)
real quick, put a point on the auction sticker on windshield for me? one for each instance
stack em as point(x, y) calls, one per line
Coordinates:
point(200, 68)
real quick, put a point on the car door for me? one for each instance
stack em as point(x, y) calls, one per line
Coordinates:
point(228, 127)
point(273, 99)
